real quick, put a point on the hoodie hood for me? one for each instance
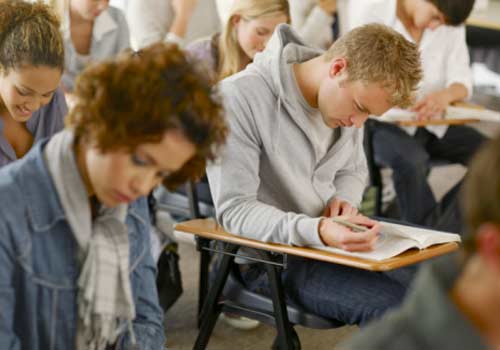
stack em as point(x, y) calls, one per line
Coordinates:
point(284, 48)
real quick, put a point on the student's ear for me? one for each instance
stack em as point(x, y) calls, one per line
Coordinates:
point(235, 20)
point(337, 67)
point(488, 245)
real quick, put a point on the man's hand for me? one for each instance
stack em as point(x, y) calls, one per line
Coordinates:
point(339, 207)
point(432, 106)
point(340, 236)
point(329, 6)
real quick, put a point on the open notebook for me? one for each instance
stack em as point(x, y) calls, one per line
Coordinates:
point(395, 239)
point(452, 112)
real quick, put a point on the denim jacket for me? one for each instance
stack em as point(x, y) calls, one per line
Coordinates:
point(39, 270)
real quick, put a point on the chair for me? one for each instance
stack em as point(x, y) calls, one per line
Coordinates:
point(227, 292)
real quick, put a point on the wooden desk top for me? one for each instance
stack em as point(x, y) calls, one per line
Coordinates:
point(208, 228)
point(488, 18)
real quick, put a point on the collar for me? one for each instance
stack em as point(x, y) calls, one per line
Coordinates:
point(103, 24)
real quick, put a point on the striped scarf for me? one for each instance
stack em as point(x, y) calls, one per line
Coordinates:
point(105, 303)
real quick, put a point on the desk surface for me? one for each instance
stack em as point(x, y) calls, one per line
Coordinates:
point(486, 18)
point(208, 228)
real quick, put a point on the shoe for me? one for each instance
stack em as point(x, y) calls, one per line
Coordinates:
point(239, 322)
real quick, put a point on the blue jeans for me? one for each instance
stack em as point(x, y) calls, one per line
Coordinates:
point(409, 157)
point(338, 292)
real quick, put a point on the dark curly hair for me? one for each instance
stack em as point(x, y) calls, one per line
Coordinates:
point(137, 97)
point(29, 35)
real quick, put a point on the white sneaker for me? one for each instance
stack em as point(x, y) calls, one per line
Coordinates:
point(239, 322)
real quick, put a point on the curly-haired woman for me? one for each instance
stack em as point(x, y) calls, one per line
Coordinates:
point(75, 265)
point(31, 64)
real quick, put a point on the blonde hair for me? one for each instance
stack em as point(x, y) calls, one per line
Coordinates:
point(376, 53)
point(229, 48)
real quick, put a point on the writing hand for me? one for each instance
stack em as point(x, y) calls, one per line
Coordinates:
point(339, 236)
point(432, 106)
point(339, 207)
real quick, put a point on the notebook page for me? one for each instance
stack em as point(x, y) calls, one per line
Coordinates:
point(424, 237)
point(386, 247)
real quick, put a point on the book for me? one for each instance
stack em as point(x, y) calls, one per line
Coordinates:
point(394, 239)
point(396, 115)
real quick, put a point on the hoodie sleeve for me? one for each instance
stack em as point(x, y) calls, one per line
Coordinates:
point(234, 181)
point(351, 180)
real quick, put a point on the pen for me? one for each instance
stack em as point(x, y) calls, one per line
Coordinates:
point(354, 227)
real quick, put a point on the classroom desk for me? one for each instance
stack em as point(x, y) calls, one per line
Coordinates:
point(208, 228)
point(488, 18)
point(213, 303)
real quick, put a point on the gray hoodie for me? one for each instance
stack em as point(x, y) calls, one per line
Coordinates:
point(268, 184)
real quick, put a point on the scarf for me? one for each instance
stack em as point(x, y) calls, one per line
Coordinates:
point(105, 303)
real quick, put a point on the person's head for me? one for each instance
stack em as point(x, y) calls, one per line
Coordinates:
point(142, 119)
point(31, 57)
point(370, 69)
point(250, 25)
point(481, 204)
point(430, 14)
point(88, 9)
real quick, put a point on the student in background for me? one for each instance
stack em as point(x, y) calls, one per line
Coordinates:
point(92, 31)
point(249, 26)
point(179, 21)
point(31, 64)
point(454, 302)
point(436, 26)
point(295, 155)
point(319, 22)
point(128, 131)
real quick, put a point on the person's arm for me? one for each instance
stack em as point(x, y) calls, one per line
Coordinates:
point(310, 19)
point(350, 181)
point(458, 79)
point(8, 339)
point(234, 182)
point(123, 41)
point(149, 21)
point(183, 10)
point(148, 323)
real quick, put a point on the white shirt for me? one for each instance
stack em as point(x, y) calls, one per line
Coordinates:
point(444, 53)
point(110, 36)
point(150, 22)
point(315, 25)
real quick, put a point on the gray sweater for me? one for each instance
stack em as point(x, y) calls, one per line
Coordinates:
point(268, 184)
point(428, 319)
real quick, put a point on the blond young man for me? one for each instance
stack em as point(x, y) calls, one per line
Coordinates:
point(454, 302)
point(293, 157)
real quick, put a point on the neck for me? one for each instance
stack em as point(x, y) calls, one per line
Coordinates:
point(403, 12)
point(476, 295)
point(244, 60)
point(75, 16)
point(309, 75)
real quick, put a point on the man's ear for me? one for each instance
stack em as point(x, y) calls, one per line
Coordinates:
point(337, 67)
point(488, 245)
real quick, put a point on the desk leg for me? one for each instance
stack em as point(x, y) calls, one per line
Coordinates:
point(285, 329)
point(211, 308)
point(204, 273)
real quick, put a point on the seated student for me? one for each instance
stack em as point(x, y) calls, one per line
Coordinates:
point(92, 31)
point(436, 26)
point(319, 22)
point(31, 64)
point(249, 25)
point(454, 302)
point(75, 265)
point(292, 153)
point(179, 21)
